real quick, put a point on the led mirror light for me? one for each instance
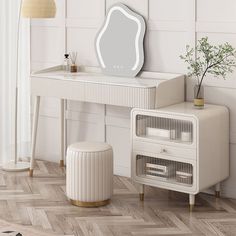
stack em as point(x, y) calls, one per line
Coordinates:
point(119, 43)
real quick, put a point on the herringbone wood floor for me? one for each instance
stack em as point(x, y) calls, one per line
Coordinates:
point(41, 202)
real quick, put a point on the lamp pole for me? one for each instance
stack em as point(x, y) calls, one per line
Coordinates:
point(29, 9)
point(16, 165)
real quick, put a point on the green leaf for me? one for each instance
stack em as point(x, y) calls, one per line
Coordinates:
point(217, 60)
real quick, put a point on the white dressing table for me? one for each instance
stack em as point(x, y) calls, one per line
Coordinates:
point(150, 90)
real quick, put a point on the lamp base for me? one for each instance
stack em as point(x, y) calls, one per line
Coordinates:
point(16, 167)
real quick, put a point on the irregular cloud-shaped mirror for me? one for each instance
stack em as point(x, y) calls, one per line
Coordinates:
point(119, 43)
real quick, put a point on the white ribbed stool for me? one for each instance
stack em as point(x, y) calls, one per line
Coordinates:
point(89, 174)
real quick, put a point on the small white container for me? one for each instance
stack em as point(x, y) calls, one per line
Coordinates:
point(161, 133)
point(184, 177)
point(186, 136)
point(164, 171)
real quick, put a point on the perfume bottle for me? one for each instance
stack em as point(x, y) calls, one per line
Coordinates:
point(66, 64)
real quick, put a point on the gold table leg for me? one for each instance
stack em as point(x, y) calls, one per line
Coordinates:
point(217, 194)
point(31, 173)
point(62, 163)
point(141, 196)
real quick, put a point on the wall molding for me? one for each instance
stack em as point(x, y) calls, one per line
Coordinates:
point(216, 27)
point(88, 23)
point(174, 26)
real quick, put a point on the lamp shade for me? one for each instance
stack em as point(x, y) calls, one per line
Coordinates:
point(38, 9)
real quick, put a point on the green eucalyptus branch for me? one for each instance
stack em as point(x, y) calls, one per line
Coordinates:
point(209, 59)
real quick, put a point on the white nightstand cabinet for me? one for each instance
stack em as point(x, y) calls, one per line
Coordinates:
point(180, 148)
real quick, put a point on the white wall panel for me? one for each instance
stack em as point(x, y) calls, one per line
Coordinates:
point(82, 41)
point(84, 131)
point(38, 65)
point(164, 49)
point(120, 112)
point(85, 107)
point(226, 97)
point(47, 44)
point(140, 6)
point(48, 139)
point(85, 9)
point(117, 122)
point(119, 138)
point(80, 14)
point(216, 10)
point(168, 10)
point(229, 184)
point(49, 107)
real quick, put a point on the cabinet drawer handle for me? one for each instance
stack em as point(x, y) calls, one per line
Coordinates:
point(163, 150)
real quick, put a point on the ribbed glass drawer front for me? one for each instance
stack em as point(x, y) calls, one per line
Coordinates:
point(164, 170)
point(164, 129)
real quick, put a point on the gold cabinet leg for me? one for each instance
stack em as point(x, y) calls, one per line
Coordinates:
point(191, 207)
point(191, 202)
point(217, 190)
point(61, 163)
point(141, 192)
point(31, 172)
point(141, 197)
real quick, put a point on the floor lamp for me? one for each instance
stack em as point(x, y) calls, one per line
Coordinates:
point(28, 9)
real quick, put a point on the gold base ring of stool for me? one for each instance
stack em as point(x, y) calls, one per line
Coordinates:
point(89, 204)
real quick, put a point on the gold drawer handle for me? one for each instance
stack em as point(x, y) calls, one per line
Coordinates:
point(163, 150)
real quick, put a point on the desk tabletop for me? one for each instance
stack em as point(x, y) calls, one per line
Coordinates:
point(146, 80)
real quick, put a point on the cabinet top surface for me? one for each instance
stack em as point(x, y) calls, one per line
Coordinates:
point(187, 108)
point(146, 79)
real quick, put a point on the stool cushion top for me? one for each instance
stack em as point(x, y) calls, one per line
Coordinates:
point(90, 147)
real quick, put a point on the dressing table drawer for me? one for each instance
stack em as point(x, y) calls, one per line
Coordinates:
point(165, 150)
